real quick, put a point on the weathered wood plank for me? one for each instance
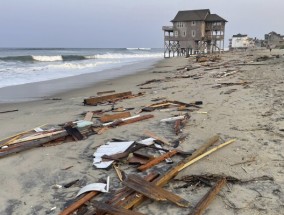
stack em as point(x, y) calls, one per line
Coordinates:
point(157, 160)
point(73, 207)
point(165, 178)
point(133, 120)
point(89, 116)
point(110, 209)
point(152, 191)
point(155, 136)
point(100, 99)
point(109, 118)
point(208, 198)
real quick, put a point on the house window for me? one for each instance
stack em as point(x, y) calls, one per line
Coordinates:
point(180, 24)
point(193, 33)
point(176, 33)
point(184, 33)
point(193, 23)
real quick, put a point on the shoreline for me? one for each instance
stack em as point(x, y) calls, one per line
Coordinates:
point(241, 100)
point(52, 88)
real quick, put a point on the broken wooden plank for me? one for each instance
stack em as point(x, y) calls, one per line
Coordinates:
point(101, 99)
point(129, 121)
point(102, 208)
point(105, 92)
point(157, 160)
point(74, 132)
point(89, 116)
point(156, 137)
point(77, 204)
point(152, 191)
point(165, 178)
point(208, 198)
point(109, 118)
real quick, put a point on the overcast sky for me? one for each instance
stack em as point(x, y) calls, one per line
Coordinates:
point(123, 23)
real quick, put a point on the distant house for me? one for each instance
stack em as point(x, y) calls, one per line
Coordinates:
point(241, 41)
point(194, 31)
point(273, 39)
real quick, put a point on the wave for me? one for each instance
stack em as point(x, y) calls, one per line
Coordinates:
point(53, 58)
point(44, 58)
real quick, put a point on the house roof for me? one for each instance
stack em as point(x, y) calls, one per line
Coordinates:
point(214, 18)
point(191, 15)
point(240, 35)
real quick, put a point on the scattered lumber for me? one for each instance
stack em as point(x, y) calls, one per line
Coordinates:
point(109, 118)
point(208, 198)
point(152, 191)
point(166, 177)
point(102, 99)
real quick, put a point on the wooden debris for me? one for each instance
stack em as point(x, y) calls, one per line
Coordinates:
point(70, 184)
point(207, 178)
point(102, 208)
point(109, 118)
point(157, 160)
point(139, 158)
point(155, 136)
point(165, 178)
point(131, 120)
point(74, 132)
point(77, 204)
point(208, 198)
point(9, 111)
point(89, 116)
point(152, 191)
point(105, 92)
point(101, 99)
point(150, 81)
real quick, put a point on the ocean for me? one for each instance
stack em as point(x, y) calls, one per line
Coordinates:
point(23, 66)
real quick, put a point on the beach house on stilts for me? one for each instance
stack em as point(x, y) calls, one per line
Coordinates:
point(194, 31)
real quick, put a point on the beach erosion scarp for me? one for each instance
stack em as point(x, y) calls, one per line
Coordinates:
point(240, 100)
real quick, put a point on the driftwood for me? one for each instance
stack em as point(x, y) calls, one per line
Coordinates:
point(152, 191)
point(101, 99)
point(208, 198)
point(9, 111)
point(150, 81)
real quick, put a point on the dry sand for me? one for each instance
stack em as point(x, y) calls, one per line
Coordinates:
point(252, 114)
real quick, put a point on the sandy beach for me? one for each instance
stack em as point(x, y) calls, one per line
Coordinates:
point(242, 99)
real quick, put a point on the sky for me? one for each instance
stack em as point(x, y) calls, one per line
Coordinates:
point(122, 23)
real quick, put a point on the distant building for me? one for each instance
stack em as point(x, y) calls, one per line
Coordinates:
point(194, 31)
point(241, 41)
point(274, 40)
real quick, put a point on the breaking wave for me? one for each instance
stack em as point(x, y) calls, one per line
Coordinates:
point(42, 58)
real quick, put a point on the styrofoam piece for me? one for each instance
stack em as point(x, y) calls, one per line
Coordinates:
point(95, 187)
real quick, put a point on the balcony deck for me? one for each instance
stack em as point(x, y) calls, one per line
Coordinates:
point(168, 28)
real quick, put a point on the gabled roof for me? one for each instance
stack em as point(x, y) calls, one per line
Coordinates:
point(214, 18)
point(191, 15)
